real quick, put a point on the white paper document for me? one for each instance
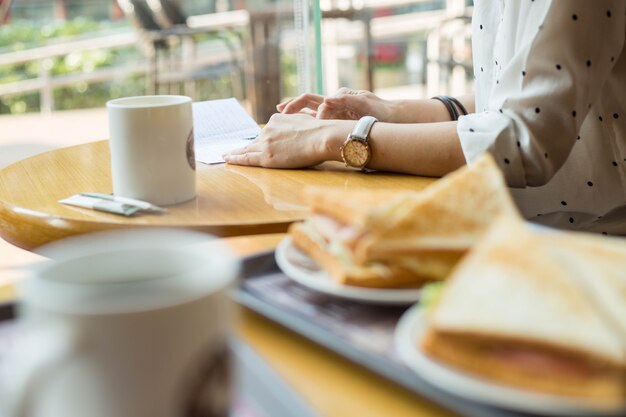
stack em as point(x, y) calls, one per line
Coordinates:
point(219, 127)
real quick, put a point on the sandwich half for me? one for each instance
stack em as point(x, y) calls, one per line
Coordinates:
point(525, 309)
point(402, 238)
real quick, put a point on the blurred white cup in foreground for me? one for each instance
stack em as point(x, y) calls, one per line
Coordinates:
point(152, 148)
point(127, 324)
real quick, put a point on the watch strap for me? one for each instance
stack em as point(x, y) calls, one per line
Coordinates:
point(363, 127)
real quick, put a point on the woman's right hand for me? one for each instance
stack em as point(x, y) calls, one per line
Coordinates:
point(307, 103)
point(346, 104)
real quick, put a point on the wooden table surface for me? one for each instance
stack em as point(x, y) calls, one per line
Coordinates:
point(231, 201)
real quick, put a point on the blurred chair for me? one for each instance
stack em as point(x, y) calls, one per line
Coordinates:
point(449, 57)
point(167, 13)
point(152, 40)
point(171, 16)
point(264, 74)
point(5, 7)
point(163, 27)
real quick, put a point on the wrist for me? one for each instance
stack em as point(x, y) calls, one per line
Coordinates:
point(418, 111)
point(335, 136)
point(397, 111)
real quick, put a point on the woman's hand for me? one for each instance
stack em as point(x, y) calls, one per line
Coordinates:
point(346, 104)
point(293, 141)
point(350, 104)
point(305, 103)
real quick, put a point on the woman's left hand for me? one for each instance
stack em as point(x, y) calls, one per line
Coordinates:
point(293, 141)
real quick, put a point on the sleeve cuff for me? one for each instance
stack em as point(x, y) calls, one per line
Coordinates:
point(493, 132)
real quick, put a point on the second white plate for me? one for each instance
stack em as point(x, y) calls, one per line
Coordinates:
point(304, 270)
point(411, 329)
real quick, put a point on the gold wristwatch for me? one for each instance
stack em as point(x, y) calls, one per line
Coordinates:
point(356, 151)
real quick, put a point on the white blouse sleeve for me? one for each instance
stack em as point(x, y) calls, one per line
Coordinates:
point(539, 98)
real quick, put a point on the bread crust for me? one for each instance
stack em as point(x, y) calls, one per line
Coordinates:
point(386, 276)
point(519, 284)
point(452, 213)
point(348, 207)
point(447, 258)
point(407, 237)
point(599, 381)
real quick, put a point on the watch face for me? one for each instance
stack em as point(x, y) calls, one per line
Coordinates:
point(355, 153)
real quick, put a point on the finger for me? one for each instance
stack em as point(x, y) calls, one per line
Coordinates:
point(298, 105)
point(254, 146)
point(322, 111)
point(309, 112)
point(344, 90)
point(337, 113)
point(341, 100)
point(325, 112)
point(354, 115)
point(249, 158)
point(353, 103)
point(281, 106)
point(311, 101)
point(333, 103)
point(334, 110)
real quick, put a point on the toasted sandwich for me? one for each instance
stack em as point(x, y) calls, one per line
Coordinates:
point(539, 311)
point(402, 238)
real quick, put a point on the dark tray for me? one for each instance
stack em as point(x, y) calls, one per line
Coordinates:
point(362, 333)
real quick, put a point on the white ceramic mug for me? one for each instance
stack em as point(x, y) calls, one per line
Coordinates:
point(124, 324)
point(152, 148)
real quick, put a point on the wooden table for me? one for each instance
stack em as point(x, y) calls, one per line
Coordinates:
point(231, 201)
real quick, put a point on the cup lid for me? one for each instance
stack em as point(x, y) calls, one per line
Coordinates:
point(130, 270)
point(147, 101)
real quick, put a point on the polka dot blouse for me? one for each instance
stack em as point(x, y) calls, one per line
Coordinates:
point(551, 107)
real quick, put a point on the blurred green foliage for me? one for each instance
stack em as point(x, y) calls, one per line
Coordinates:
point(22, 35)
point(289, 75)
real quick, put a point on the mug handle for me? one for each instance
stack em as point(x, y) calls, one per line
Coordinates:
point(35, 356)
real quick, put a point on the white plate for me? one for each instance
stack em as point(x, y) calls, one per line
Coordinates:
point(411, 329)
point(304, 270)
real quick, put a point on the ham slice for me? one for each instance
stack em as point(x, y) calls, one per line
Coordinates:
point(332, 230)
point(540, 362)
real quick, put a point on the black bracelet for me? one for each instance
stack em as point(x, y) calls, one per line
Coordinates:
point(454, 114)
point(458, 104)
